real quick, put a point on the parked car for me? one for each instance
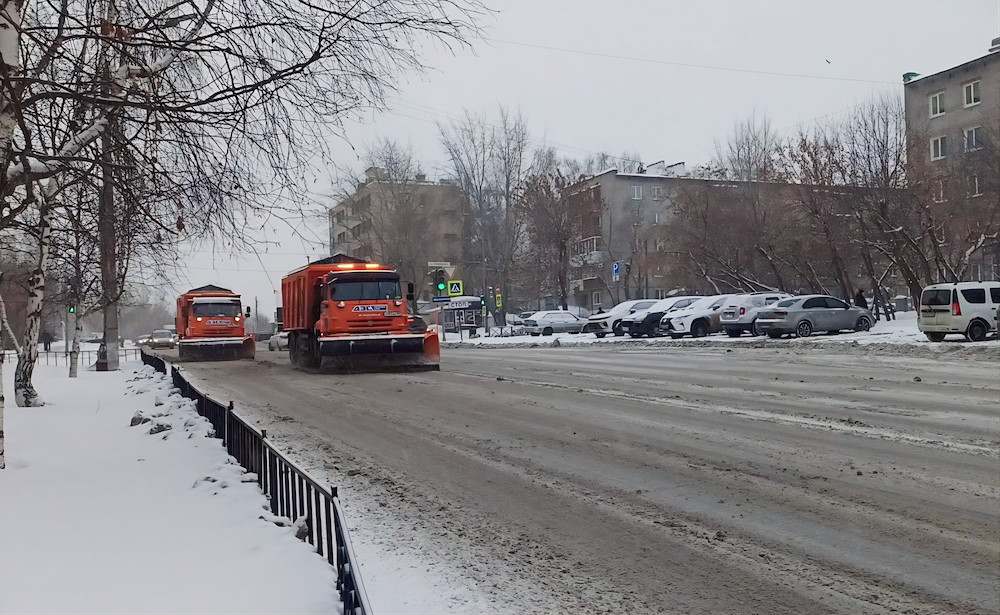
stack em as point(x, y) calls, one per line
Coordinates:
point(278, 341)
point(647, 321)
point(961, 308)
point(808, 313)
point(697, 320)
point(602, 323)
point(739, 312)
point(161, 338)
point(416, 324)
point(553, 321)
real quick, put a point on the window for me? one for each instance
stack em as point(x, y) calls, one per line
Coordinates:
point(939, 147)
point(657, 193)
point(975, 272)
point(995, 295)
point(588, 245)
point(837, 304)
point(636, 193)
point(595, 298)
point(939, 197)
point(971, 93)
point(815, 302)
point(936, 297)
point(661, 294)
point(229, 309)
point(341, 237)
point(976, 189)
point(365, 290)
point(973, 138)
point(974, 295)
point(656, 217)
point(937, 104)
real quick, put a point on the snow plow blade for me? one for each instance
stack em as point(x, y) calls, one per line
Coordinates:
point(217, 349)
point(373, 352)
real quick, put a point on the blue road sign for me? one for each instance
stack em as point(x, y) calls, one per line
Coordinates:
point(615, 268)
point(442, 299)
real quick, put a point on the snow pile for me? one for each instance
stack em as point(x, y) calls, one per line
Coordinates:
point(103, 516)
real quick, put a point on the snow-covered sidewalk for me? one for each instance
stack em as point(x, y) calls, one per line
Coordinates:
point(102, 517)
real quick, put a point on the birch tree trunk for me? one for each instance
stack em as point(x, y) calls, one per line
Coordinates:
point(24, 393)
point(74, 354)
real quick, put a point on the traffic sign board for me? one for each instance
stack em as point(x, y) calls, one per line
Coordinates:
point(499, 301)
point(438, 264)
point(616, 268)
point(455, 288)
point(441, 299)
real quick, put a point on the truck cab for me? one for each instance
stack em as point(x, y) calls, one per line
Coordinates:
point(210, 325)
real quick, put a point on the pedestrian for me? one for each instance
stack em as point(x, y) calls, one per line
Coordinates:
point(859, 299)
point(46, 340)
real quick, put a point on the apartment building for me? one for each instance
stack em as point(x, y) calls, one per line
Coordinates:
point(402, 222)
point(953, 142)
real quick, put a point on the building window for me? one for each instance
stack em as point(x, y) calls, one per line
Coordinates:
point(595, 299)
point(937, 104)
point(971, 93)
point(939, 147)
point(976, 190)
point(661, 294)
point(939, 197)
point(588, 245)
point(976, 271)
point(657, 193)
point(973, 138)
point(636, 193)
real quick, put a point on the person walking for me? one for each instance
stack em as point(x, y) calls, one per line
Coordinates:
point(859, 299)
point(46, 340)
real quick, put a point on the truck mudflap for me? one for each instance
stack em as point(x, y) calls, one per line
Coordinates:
point(352, 352)
point(216, 348)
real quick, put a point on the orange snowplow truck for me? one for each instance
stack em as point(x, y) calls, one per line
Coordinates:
point(349, 314)
point(210, 325)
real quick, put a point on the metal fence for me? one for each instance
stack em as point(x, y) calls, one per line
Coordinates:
point(291, 491)
point(87, 357)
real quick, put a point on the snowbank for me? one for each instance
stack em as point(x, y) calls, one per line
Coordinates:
point(103, 517)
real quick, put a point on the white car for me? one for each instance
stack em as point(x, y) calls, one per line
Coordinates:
point(739, 313)
point(553, 321)
point(278, 341)
point(647, 321)
point(602, 323)
point(962, 308)
point(697, 320)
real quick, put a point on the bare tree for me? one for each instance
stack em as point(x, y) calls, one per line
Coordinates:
point(552, 227)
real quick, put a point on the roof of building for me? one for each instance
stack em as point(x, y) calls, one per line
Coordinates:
point(982, 59)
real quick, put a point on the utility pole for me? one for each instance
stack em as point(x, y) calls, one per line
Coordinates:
point(106, 210)
point(256, 317)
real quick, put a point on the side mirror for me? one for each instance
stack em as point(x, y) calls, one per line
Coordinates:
point(248, 311)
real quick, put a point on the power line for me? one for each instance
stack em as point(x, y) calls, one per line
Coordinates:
point(687, 65)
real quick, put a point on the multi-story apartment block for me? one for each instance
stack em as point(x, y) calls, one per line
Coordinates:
point(403, 222)
point(953, 141)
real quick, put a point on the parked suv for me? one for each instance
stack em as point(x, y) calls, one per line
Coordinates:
point(739, 313)
point(697, 320)
point(961, 308)
point(602, 323)
point(647, 321)
point(553, 321)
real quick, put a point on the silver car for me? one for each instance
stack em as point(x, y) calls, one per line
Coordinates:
point(805, 314)
point(553, 321)
point(278, 341)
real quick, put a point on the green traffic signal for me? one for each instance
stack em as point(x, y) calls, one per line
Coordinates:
point(441, 285)
point(72, 309)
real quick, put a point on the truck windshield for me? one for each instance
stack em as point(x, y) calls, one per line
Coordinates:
point(367, 290)
point(229, 309)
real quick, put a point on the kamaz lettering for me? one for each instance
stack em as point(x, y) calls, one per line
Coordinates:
point(370, 308)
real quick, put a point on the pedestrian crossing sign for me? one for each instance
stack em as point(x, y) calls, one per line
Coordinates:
point(455, 288)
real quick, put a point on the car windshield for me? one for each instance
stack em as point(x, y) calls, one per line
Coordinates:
point(161, 333)
point(228, 308)
point(366, 290)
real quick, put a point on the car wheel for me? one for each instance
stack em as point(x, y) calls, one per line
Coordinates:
point(676, 336)
point(977, 331)
point(774, 334)
point(271, 347)
point(699, 328)
point(617, 329)
point(600, 335)
point(863, 324)
point(934, 336)
point(547, 331)
point(804, 329)
point(733, 332)
point(637, 335)
point(756, 329)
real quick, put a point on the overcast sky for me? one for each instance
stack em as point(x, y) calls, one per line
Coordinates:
point(664, 79)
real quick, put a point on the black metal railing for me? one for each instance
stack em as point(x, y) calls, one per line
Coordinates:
point(87, 357)
point(292, 493)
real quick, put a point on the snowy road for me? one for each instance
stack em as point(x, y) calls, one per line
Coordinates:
point(687, 479)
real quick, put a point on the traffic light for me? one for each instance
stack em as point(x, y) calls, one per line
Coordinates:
point(440, 283)
point(72, 309)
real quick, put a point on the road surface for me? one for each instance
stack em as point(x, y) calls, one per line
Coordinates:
point(685, 479)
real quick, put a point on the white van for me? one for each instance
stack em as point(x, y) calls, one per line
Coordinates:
point(961, 308)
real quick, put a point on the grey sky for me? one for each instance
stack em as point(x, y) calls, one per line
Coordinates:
point(585, 101)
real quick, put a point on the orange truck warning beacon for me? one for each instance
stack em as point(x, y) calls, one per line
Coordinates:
point(348, 313)
point(210, 325)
